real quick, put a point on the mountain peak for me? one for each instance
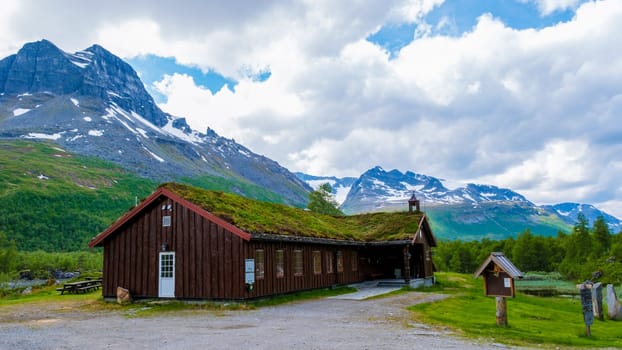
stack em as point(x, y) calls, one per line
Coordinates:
point(38, 67)
point(93, 103)
point(42, 44)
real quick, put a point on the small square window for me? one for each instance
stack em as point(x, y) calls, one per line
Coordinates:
point(166, 221)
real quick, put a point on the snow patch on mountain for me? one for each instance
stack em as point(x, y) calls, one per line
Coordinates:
point(37, 135)
point(81, 58)
point(19, 111)
point(158, 158)
point(193, 137)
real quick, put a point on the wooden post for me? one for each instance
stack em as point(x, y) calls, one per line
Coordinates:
point(406, 273)
point(502, 312)
point(597, 301)
point(586, 302)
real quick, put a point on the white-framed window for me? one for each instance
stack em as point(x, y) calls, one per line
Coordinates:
point(298, 263)
point(329, 262)
point(280, 263)
point(339, 261)
point(317, 262)
point(260, 264)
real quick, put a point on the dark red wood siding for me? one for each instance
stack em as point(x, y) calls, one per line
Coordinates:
point(209, 259)
point(271, 284)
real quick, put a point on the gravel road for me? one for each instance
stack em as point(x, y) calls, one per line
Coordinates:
point(328, 323)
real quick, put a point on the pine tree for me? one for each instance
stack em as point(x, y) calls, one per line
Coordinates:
point(581, 242)
point(8, 254)
point(322, 201)
point(601, 238)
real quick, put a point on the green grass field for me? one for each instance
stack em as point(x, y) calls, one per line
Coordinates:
point(532, 320)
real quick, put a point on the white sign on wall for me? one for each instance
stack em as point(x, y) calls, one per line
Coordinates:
point(249, 268)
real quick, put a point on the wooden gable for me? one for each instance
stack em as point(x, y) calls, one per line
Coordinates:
point(157, 195)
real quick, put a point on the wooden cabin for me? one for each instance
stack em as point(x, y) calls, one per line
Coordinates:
point(188, 243)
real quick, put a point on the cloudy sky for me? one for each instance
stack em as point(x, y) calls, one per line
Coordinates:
point(524, 94)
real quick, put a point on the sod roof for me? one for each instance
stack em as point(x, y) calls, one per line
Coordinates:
point(260, 217)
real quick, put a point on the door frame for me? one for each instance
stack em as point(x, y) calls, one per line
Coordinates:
point(166, 290)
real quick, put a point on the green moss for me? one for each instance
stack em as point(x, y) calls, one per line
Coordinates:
point(271, 218)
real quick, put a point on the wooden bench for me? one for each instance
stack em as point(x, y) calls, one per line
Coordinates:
point(88, 288)
point(80, 286)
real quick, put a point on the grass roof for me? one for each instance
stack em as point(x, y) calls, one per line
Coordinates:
point(270, 218)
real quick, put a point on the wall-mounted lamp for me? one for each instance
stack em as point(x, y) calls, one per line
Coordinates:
point(164, 246)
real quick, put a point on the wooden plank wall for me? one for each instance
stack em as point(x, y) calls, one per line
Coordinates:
point(208, 261)
point(270, 284)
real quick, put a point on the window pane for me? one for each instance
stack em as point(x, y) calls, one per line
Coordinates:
point(167, 263)
point(317, 262)
point(259, 264)
point(339, 261)
point(298, 267)
point(280, 271)
point(329, 262)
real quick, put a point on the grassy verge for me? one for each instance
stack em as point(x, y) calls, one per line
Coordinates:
point(533, 321)
point(300, 296)
point(160, 307)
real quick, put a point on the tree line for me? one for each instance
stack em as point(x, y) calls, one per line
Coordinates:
point(592, 253)
point(40, 264)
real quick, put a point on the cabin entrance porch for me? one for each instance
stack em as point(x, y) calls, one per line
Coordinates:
point(393, 264)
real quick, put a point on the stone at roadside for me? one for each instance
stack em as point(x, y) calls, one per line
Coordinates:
point(614, 311)
point(123, 296)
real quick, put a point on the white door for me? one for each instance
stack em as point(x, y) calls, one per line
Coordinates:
point(167, 275)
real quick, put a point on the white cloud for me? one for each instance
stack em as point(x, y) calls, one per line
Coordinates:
point(7, 36)
point(546, 7)
point(561, 165)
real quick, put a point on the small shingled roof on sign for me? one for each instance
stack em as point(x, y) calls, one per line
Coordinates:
point(503, 262)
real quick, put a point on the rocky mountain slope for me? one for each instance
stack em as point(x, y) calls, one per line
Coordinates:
point(93, 103)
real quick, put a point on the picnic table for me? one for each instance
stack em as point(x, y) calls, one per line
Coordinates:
point(80, 286)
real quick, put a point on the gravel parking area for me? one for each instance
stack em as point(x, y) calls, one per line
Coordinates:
point(329, 323)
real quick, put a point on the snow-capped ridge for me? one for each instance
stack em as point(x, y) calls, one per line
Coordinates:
point(93, 103)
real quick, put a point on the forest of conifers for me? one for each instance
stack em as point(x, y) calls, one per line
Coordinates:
point(588, 252)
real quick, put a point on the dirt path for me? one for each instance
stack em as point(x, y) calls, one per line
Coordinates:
point(322, 324)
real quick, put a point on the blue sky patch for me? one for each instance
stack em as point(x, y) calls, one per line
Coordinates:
point(152, 68)
point(455, 17)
